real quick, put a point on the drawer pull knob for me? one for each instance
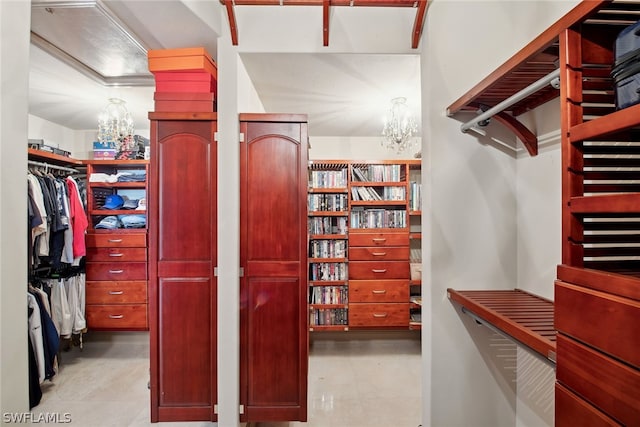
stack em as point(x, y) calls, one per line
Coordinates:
point(115, 240)
point(116, 292)
point(379, 314)
point(116, 316)
point(379, 291)
point(383, 270)
point(379, 253)
point(379, 239)
point(116, 255)
point(116, 271)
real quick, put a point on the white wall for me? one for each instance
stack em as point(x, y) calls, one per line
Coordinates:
point(356, 148)
point(473, 210)
point(14, 61)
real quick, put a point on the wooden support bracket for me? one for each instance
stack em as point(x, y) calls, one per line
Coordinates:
point(325, 22)
point(233, 27)
point(528, 138)
point(419, 23)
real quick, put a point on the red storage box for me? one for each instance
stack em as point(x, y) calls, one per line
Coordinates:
point(171, 102)
point(185, 81)
point(188, 70)
point(187, 59)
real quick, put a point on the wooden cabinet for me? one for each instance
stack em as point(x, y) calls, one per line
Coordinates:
point(376, 204)
point(597, 294)
point(379, 273)
point(182, 259)
point(273, 254)
point(116, 261)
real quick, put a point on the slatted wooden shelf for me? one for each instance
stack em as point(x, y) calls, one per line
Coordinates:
point(523, 316)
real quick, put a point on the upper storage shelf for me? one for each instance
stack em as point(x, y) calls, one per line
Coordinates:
point(535, 61)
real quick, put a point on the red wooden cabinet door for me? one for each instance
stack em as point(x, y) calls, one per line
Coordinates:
point(273, 239)
point(182, 255)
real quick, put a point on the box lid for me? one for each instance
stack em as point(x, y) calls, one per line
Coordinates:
point(176, 60)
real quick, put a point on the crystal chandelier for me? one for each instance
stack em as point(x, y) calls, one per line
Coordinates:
point(399, 126)
point(115, 125)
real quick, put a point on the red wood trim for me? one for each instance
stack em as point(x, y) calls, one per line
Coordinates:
point(233, 27)
point(419, 23)
point(617, 284)
point(575, 15)
point(606, 203)
point(528, 138)
point(275, 117)
point(325, 22)
point(495, 308)
point(56, 159)
point(182, 116)
point(620, 120)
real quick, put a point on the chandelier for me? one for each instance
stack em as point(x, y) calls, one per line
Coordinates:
point(115, 125)
point(399, 126)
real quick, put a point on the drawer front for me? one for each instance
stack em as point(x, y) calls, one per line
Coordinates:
point(378, 239)
point(379, 270)
point(116, 292)
point(121, 240)
point(123, 316)
point(604, 321)
point(378, 315)
point(613, 387)
point(113, 254)
point(379, 291)
point(116, 271)
point(571, 411)
point(377, 253)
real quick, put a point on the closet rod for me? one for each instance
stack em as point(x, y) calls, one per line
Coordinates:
point(47, 165)
point(517, 97)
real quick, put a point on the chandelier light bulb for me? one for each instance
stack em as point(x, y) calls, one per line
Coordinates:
point(399, 126)
point(115, 125)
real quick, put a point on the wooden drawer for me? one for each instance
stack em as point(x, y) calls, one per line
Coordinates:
point(378, 315)
point(604, 321)
point(613, 387)
point(378, 239)
point(112, 254)
point(379, 270)
point(116, 292)
point(571, 411)
point(378, 291)
point(377, 253)
point(121, 240)
point(122, 316)
point(116, 271)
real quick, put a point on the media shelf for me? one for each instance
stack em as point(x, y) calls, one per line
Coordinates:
point(375, 227)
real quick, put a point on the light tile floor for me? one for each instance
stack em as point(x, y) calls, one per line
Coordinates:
point(354, 381)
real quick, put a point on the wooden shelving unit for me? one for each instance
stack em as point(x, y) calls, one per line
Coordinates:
point(377, 269)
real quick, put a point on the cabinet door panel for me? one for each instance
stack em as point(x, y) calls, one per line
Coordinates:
point(273, 342)
point(182, 257)
point(185, 199)
point(273, 251)
point(186, 357)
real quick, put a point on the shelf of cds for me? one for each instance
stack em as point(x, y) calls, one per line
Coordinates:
point(364, 204)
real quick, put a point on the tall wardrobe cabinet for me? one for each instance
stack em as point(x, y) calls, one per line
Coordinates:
point(182, 208)
point(273, 254)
